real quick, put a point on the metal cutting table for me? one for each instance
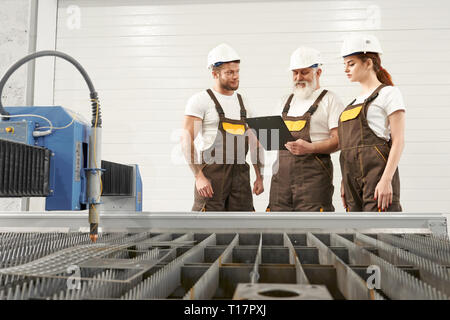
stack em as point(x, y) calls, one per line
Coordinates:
point(185, 255)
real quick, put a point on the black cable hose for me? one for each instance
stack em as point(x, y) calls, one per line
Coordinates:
point(93, 93)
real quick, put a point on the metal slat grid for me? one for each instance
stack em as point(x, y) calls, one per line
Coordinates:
point(117, 180)
point(24, 170)
point(223, 266)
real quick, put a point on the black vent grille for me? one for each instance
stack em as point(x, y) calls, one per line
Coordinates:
point(24, 170)
point(117, 179)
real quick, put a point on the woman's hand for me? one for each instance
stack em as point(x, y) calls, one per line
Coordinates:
point(383, 193)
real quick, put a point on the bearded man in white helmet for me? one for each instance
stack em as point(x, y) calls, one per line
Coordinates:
point(217, 115)
point(303, 173)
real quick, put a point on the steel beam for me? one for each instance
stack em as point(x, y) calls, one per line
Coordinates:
point(395, 283)
point(254, 274)
point(349, 282)
point(293, 259)
point(430, 272)
point(161, 284)
point(366, 222)
point(207, 285)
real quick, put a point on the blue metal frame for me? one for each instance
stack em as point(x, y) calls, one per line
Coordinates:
point(67, 178)
point(139, 194)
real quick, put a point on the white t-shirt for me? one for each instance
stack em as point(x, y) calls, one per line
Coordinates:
point(323, 120)
point(201, 105)
point(389, 100)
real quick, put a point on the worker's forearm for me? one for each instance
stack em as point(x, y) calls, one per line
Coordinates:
point(397, 123)
point(257, 157)
point(393, 160)
point(197, 169)
point(190, 154)
point(326, 146)
point(258, 171)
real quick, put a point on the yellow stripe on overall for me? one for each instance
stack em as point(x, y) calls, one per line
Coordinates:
point(232, 128)
point(295, 125)
point(350, 114)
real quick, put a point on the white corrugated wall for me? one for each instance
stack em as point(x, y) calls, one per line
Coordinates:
point(147, 58)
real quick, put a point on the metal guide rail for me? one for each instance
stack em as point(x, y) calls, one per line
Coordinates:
point(368, 222)
point(224, 265)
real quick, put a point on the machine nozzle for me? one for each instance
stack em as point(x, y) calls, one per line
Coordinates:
point(93, 233)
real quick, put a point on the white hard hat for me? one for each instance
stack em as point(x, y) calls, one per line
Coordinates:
point(221, 54)
point(305, 57)
point(360, 43)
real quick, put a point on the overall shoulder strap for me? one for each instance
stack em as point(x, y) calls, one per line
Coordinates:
point(374, 94)
point(370, 98)
point(287, 106)
point(315, 105)
point(216, 102)
point(351, 103)
point(241, 104)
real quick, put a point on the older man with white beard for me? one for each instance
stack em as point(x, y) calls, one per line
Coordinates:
point(303, 174)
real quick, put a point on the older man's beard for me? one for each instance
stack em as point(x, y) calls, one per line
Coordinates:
point(306, 92)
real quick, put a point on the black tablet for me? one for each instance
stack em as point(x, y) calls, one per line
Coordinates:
point(271, 132)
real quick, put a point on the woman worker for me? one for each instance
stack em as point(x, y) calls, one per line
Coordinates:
point(371, 131)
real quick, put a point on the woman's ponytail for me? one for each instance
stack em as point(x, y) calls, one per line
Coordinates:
point(382, 74)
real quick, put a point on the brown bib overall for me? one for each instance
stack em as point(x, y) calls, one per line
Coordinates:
point(363, 158)
point(304, 182)
point(225, 166)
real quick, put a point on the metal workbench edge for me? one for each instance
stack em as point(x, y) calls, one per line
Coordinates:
point(232, 221)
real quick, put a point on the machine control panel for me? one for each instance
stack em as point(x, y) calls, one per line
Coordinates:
point(17, 131)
